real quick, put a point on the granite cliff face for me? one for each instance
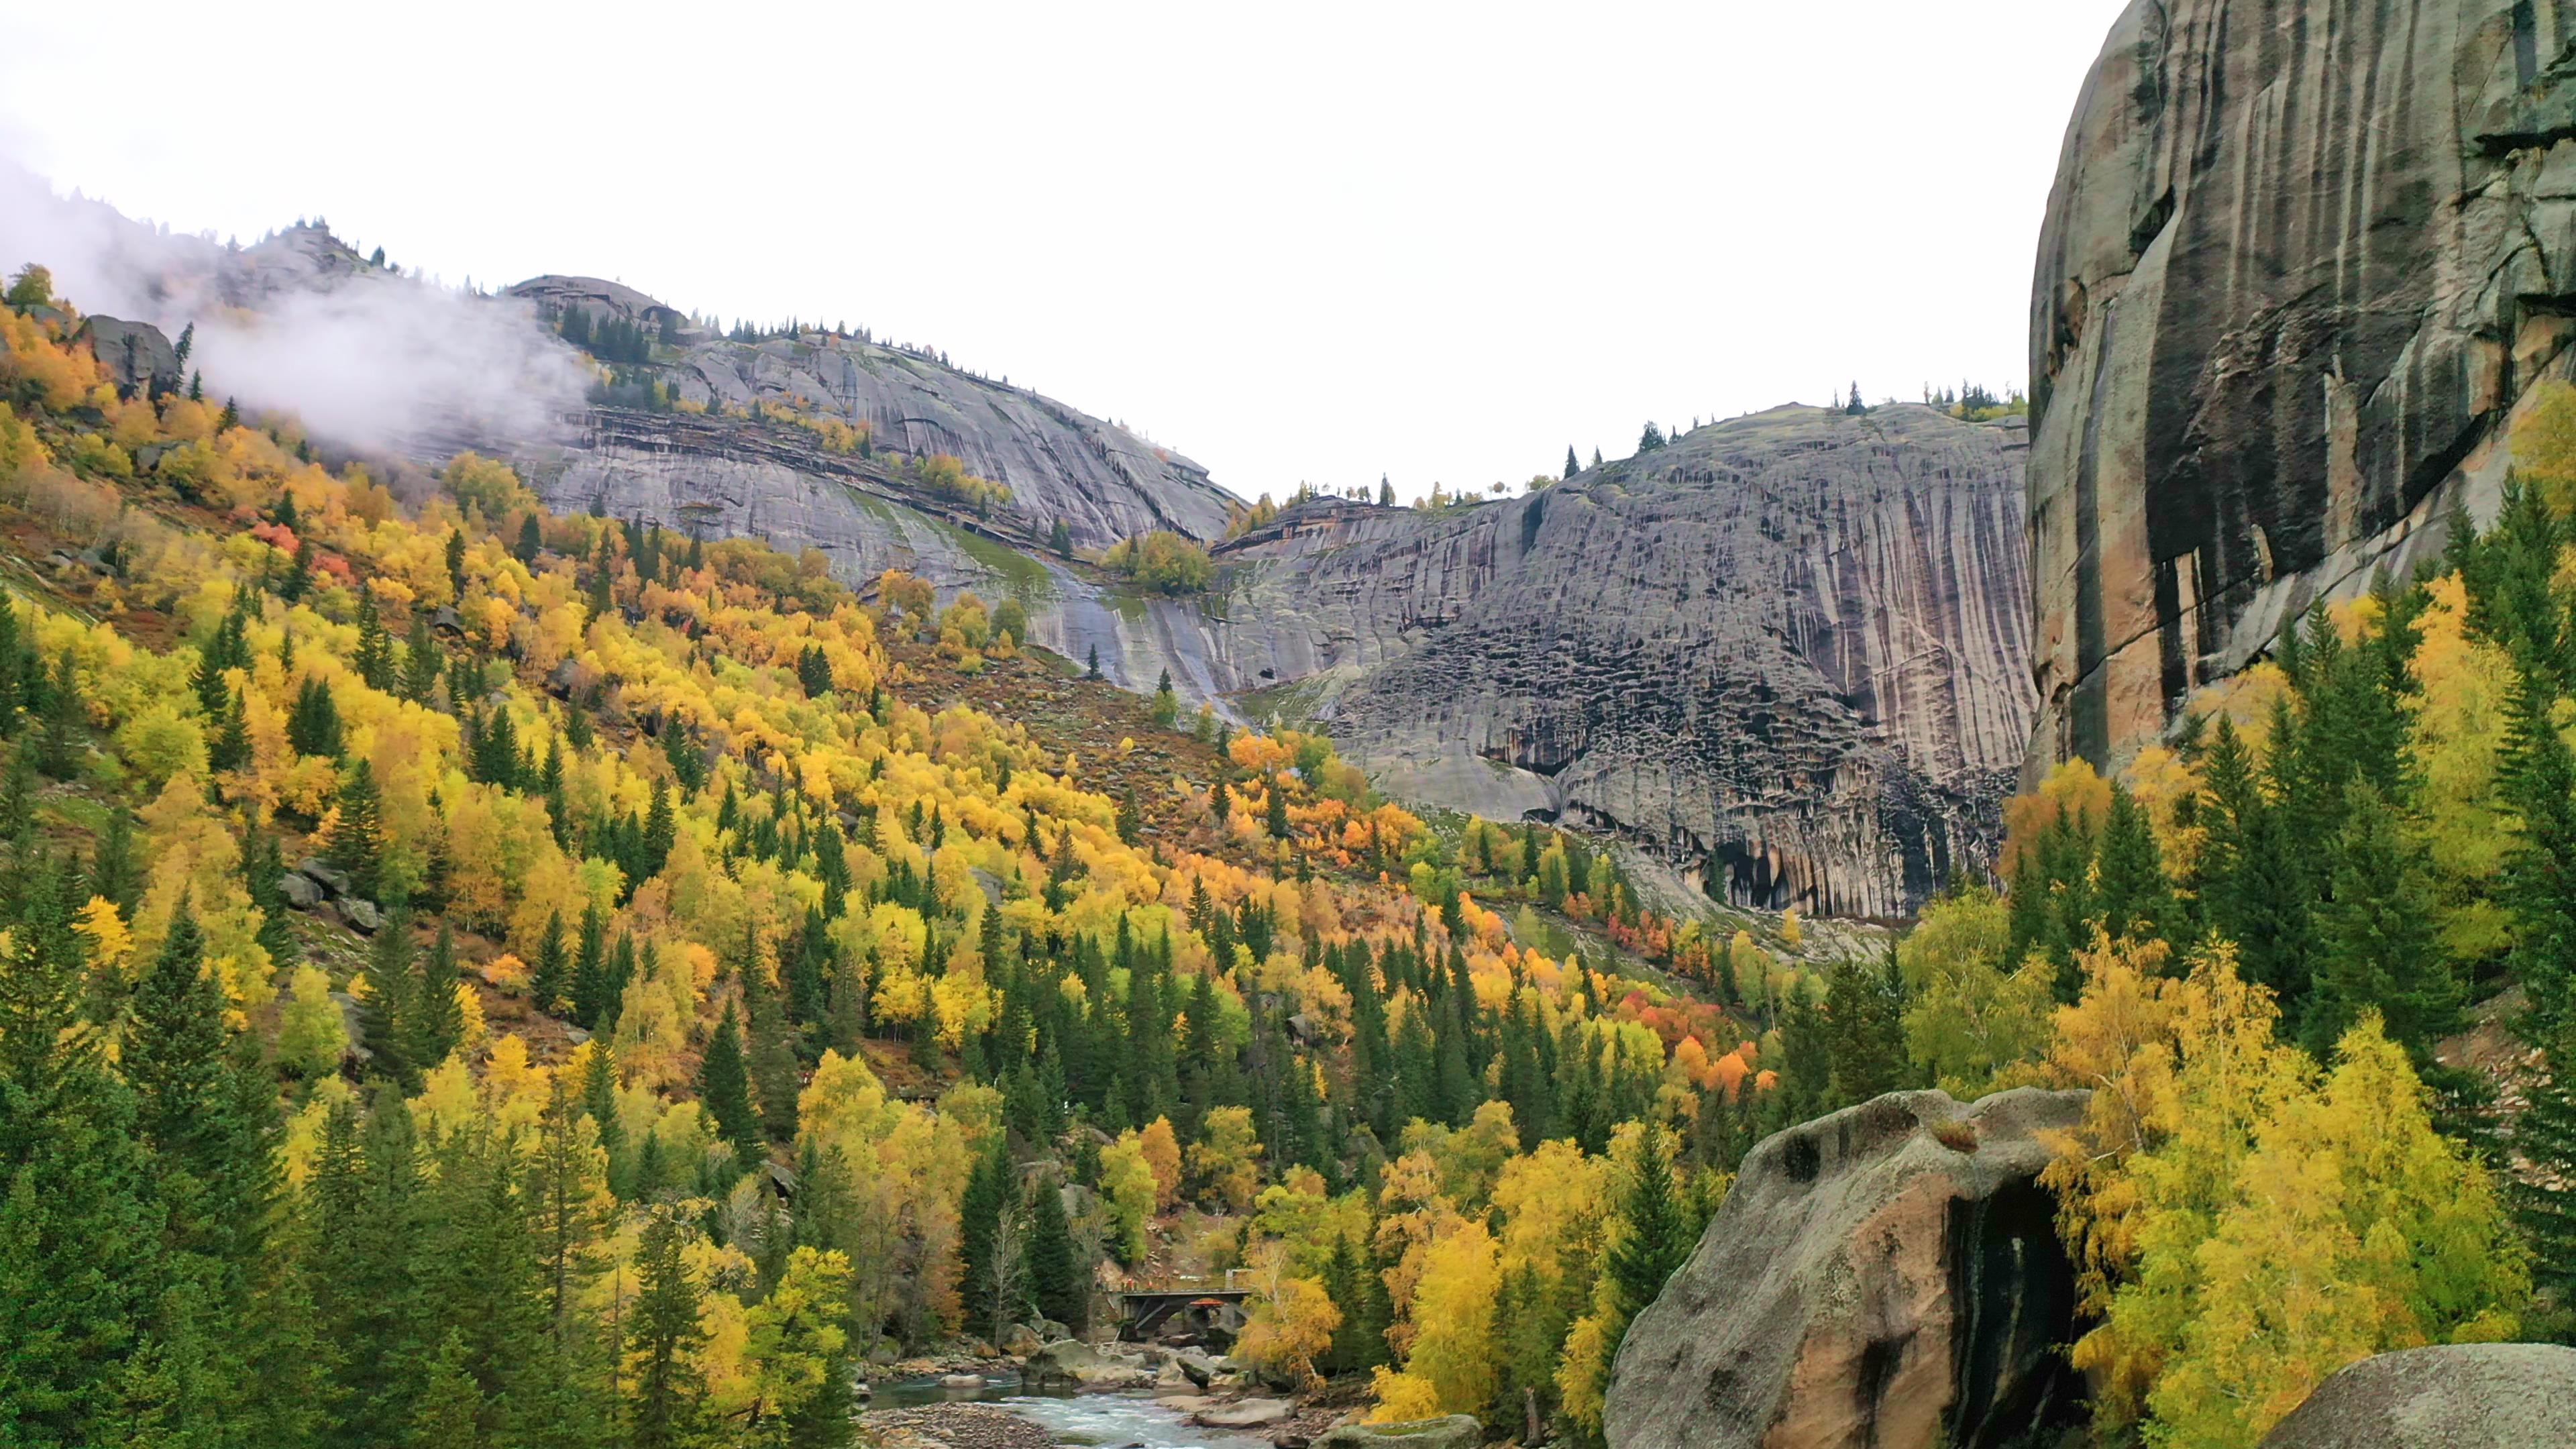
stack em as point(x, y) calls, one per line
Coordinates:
point(2302, 260)
point(1786, 652)
point(1105, 482)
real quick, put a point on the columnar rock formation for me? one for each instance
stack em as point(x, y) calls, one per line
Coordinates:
point(1888, 1276)
point(2302, 260)
point(1786, 650)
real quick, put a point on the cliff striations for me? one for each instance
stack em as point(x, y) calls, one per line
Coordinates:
point(2302, 259)
point(1786, 650)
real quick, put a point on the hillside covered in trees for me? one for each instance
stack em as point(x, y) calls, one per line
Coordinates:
point(475, 975)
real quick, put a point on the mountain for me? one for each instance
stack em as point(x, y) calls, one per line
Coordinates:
point(2302, 263)
point(1104, 481)
point(1786, 652)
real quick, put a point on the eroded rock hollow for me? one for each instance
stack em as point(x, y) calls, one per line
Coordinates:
point(1889, 1276)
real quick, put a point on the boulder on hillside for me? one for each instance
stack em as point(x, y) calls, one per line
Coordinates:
point(1457, 1431)
point(137, 355)
point(1889, 1275)
point(2517, 1394)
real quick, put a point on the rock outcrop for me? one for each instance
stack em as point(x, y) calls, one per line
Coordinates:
point(1787, 652)
point(2518, 1394)
point(1888, 1276)
point(1105, 482)
point(2302, 260)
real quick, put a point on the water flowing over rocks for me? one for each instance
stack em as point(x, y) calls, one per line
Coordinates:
point(1886, 1276)
point(2303, 260)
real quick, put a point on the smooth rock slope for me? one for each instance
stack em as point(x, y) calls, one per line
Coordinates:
point(2302, 260)
point(1787, 652)
point(1889, 1276)
point(2521, 1395)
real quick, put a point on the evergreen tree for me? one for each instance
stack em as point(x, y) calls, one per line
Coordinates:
point(60, 716)
point(1060, 540)
point(1571, 466)
point(424, 663)
point(437, 1022)
point(386, 1008)
point(1654, 1235)
point(313, 724)
point(773, 1056)
point(357, 838)
point(548, 982)
point(456, 566)
point(532, 540)
point(980, 1237)
point(1057, 1281)
point(662, 1410)
point(2379, 944)
point(1865, 1035)
point(1092, 670)
point(375, 653)
point(724, 1086)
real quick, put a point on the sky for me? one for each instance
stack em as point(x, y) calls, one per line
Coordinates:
point(1323, 243)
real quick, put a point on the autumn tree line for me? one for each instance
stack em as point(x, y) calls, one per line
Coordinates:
point(896, 1028)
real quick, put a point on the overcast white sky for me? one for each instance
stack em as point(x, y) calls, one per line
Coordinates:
point(1321, 242)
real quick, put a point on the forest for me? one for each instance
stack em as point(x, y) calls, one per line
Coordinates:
point(480, 976)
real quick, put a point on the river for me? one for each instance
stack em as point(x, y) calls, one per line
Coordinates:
point(1111, 1421)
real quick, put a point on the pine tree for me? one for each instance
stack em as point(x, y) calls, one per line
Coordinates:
point(456, 566)
point(2380, 948)
point(375, 653)
point(532, 540)
point(2544, 1137)
point(773, 1056)
point(592, 996)
point(547, 983)
point(980, 1236)
point(437, 1023)
point(1571, 466)
point(1653, 1237)
point(424, 663)
point(1056, 1279)
point(724, 1085)
point(61, 716)
point(357, 840)
point(662, 1411)
point(386, 1008)
point(1060, 540)
point(1092, 670)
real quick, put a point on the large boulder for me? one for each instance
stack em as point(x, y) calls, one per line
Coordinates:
point(1887, 1276)
point(137, 355)
point(1457, 1431)
point(2521, 1395)
point(2303, 260)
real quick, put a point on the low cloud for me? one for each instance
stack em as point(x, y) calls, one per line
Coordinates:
point(298, 324)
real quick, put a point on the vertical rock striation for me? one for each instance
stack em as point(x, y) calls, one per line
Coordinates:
point(2302, 259)
point(1786, 651)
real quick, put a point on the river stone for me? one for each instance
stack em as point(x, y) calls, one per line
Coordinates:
point(1247, 1414)
point(2302, 261)
point(1868, 1282)
point(1021, 1341)
point(1457, 1431)
point(2520, 1395)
